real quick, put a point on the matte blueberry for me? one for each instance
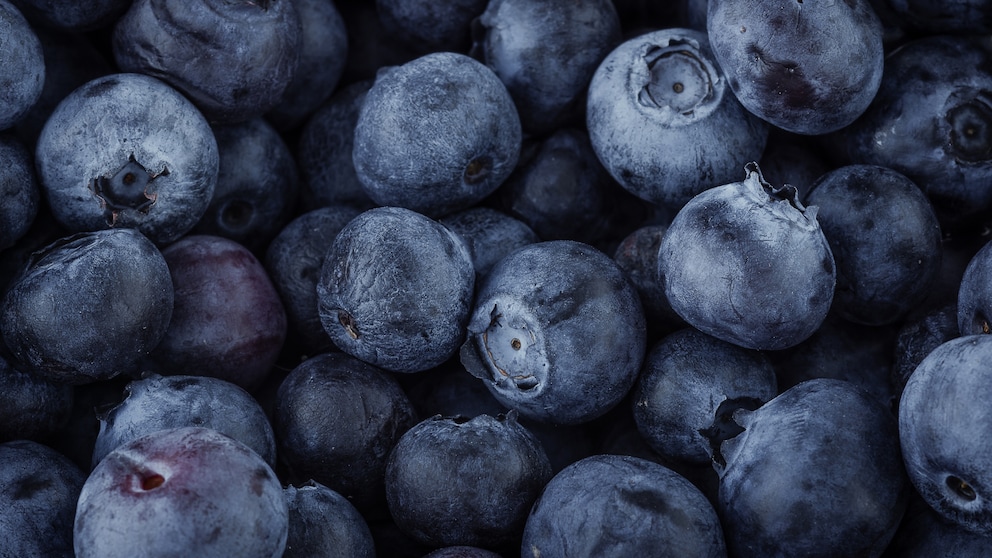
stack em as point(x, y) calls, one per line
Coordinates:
point(19, 190)
point(73, 16)
point(918, 335)
point(31, 407)
point(923, 533)
point(22, 66)
point(974, 299)
point(426, 26)
point(489, 234)
point(324, 523)
point(637, 255)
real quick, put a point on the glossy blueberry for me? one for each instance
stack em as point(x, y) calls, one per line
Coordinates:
point(38, 492)
point(748, 263)
point(941, 425)
point(663, 121)
point(427, 26)
point(880, 277)
point(234, 60)
point(257, 185)
point(324, 523)
point(489, 235)
point(689, 387)
point(31, 407)
point(88, 307)
point(227, 321)
point(557, 333)
point(22, 66)
point(612, 505)
point(816, 472)
point(181, 492)
point(336, 419)
point(161, 402)
point(396, 290)
point(127, 150)
point(18, 188)
point(808, 68)
point(436, 134)
point(73, 16)
point(293, 261)
point(460, 481)
point(974, 300)
point(546, 53)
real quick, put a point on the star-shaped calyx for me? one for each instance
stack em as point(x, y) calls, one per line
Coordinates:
point(128, 188)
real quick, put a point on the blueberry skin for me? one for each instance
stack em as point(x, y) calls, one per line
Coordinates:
point(257, 185)
point(38, 492)
point(234, 60)
point(23, 66)
point(170, 493)
point(794, 160)
point(546, 53)
point(749, 264)
point(324, 523)
point(293, 261)
point(816, 472)
point(557, 334)
point(691, 381)
point(930, 121)
point(72, 16)
point(436, 135)
point(881, 276)
point(460, 481)
point(918, 335)
point(336, 419)
point(663, 121)
point(637, 254)
point(31, 407)
point(88, 307)
point(806, 68)
point(613, 506)
point(396, 290)
point(127, 150)
point(941, 430)
point(974, 304)
point(425, 26)
point(161, 402)
point(489, 235)
point(19, 190)
point(925, 534)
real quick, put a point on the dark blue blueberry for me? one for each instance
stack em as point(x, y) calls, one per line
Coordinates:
point(257, 185)
point(22, 66)
point(436, 134)
point(370, 47)
point(637, 256)
point(32, 407)
point(974, 297)
point(881, 276)
point(88, 307)
point(324, 523)
point(663, 121)
point(462, 552)
point(38, 492)
point(460, 481)
point(73, 16)
point(918, 335)
point(748, 263)
point(794, 160)
point(546, 53)
point(816, 471)
point(808, 68)
point(558, 332)
point(612, 505)
point(948, 17)
point(489, 235)
point(161, 402)
point(689, 387)
point(19, 190)
point(426, 26)
point(234, 60)
point(127, 150)
point(336, 420)
point(942, 425)
point(293, 261)
point(923, 533)
point(396, 290)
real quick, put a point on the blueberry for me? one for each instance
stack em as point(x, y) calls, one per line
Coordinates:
point(88, 307)
point(19, 190)
point(957, 17)
point(181, 492)
point(880, 277)
point(941, 426)
point(324, 523)
point(923, 533)
point(426, 26)
point(974, 299)
point(637, 254)
point(32, 407)
point(234, 60)
point(612, 505)
point(489, 235)
point(460, 481)
point(662, 120)
point(127, 150)
point(557, 333)
point(748, 263)
point(919, 334)
point(816, 472)
point(396, 289)
point(72, 16)
point(808, 68)
point(546, 53)
point(39, 488)
point(793, 159)
point(161, 402)
point(436, 134)
point(23, 66)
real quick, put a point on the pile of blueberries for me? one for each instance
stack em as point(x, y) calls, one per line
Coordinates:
point(484, 278)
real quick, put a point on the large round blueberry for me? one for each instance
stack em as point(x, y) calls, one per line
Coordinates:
point(436, 134)
point(127, 150)
point(942, 421)
point(22, 66)
point(88, 307)
point(558, 332)
point(809, 68)
point(748, 263)
point(662, 120)
point(396, 289)
point(612, 505)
